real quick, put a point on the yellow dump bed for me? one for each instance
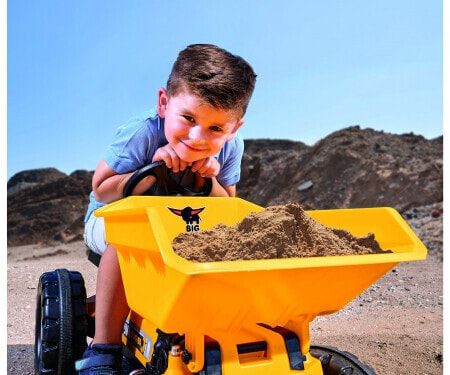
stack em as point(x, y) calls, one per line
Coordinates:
point(179, 296)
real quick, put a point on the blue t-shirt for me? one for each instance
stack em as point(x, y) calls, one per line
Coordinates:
point(136, 142)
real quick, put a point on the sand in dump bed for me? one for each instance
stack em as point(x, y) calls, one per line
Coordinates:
point(277, 232)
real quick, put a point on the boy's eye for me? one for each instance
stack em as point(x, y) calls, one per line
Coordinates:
point(189, 118)
point(215, 128)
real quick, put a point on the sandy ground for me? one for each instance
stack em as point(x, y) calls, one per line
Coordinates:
point(396, 326)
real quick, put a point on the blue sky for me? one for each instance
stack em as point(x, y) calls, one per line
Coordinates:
point(78, 70)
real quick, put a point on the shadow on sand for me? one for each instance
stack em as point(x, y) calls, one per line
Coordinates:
point(20, 359)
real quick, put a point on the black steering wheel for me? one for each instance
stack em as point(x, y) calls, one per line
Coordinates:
point(169, 183)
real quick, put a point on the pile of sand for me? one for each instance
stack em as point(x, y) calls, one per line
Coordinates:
point(277, 232)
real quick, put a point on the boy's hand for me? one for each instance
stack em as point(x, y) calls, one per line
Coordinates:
point(208, 167)
point(170, 157)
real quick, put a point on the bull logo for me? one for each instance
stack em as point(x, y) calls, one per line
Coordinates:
point(190, 216)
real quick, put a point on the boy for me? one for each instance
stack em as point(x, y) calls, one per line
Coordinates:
point(195, 124)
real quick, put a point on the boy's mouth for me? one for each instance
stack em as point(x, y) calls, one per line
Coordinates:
point(190, 148)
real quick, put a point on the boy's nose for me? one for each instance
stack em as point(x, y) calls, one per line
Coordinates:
point(196, 134)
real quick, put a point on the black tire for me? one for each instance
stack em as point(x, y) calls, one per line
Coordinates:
point(61, 322)
point(335, 362)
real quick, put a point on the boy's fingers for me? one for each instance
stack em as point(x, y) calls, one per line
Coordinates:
point(170, 157)
point(210, 168)
point(161, 154)
point(183, 165)
point(204, 168)
point(197, 165)
point(174, 159)
point(175, 163)
point(167, 159)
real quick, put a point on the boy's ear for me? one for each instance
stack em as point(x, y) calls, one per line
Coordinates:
point(162, 102)
point(236, 127)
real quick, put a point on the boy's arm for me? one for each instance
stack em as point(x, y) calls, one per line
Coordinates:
point(222, 191)
point(108, 185)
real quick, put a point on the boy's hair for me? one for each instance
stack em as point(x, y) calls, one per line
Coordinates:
point(218, 77)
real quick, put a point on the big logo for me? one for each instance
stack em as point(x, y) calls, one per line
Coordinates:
point(190, 216)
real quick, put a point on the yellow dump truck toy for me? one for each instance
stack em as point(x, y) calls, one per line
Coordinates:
point(248, 317)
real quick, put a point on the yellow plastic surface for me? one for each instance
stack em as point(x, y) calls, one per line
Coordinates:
point(181, 296)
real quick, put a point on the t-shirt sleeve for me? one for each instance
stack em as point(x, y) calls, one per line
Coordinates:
point(131, 146)
point(230, 159)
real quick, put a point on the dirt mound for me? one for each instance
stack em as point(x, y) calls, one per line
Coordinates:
point(32, 177)
point(50, 211)
point(352, 167)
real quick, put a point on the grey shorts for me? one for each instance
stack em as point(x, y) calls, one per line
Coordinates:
point(94, 234)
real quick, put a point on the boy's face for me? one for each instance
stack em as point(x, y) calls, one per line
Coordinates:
point(195, 130)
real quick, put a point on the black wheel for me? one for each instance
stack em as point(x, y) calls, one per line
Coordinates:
point(335, 362)
point(61, 322)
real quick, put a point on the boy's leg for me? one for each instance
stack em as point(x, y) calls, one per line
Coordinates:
point(104, 355)
point(111, 307)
